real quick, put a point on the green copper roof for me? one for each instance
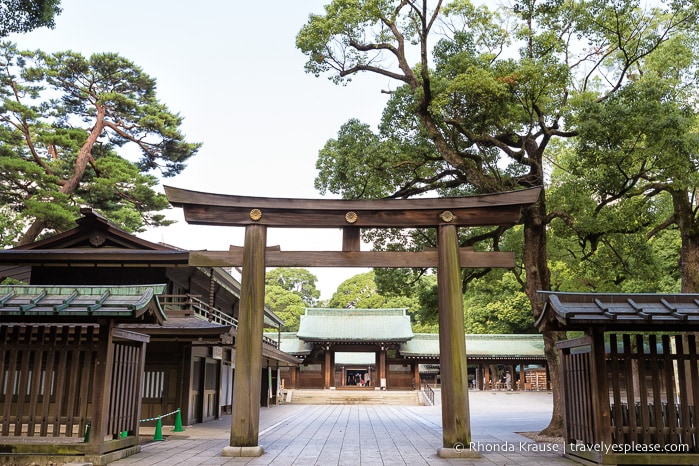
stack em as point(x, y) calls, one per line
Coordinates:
point(289, 344)
point(358, 325)
point(61, 303)
point(482, 346)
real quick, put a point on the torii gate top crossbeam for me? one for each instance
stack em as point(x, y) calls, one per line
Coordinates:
point(222, 209)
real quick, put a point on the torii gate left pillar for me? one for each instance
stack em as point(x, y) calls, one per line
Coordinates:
point(245, 420)
point(256, 214)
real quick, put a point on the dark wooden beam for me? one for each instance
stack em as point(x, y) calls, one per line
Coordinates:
point(220, 209)
point(468, 258)
point(92, 256)
point(351, 240)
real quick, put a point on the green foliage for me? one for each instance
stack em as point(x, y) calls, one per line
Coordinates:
point(358, 292)
point(70, 129)
point(26, 15)
point(287, 305)
point(298, 281)
point(497, 304)
point(480, 108)
point(361, 292)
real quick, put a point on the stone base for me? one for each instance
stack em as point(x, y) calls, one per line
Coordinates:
point(457, 453)
point(30, 459)
point(243, 451)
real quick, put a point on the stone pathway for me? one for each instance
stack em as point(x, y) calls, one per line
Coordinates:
point(368, 435)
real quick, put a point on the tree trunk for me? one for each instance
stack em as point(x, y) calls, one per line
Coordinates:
point(689, 263)
point(538, 279)
point(72, 183)
point(689, 233)
point(32, 232)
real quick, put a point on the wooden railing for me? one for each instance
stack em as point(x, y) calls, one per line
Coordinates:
point(188, 304)
point(197, 307)
point(429, 393)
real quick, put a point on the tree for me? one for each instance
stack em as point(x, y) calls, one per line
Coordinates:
point(71, 130)
point(497, 305)
point(358, 291)
point(288, 292)
point(607, 242)
point(481, 105)
point(361, 292)
point(26, 15)
point(649, 160)
point(287, 305)
point(298, 281)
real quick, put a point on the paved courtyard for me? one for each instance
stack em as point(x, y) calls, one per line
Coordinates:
point(368, 435)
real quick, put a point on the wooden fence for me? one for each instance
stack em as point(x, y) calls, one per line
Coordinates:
point(631, 393)
point(55, 380)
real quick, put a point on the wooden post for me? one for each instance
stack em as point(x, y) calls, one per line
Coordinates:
point(326, 368)
point(600, 390)
point(382, 369)
point(417, 383)
point(103, 387)
point(245, 420)
point(456, 428)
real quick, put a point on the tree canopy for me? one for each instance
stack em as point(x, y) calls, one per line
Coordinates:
point(288, 292)
point(80, 131)
point(482, 98)
point(296, 280)
point(26, 15)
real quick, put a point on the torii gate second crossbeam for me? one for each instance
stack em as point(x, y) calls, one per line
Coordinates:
point(257, 214)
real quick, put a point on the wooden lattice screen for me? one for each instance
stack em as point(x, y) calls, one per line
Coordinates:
point(48, 376)
point(46, 379)
point(125, 397)
point(652, 392)
point(576, 377)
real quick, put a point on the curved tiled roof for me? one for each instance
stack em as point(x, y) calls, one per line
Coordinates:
point(355, 325)
point(426, 346)
point(480, 346)
point(618, 310)
point(66, 303)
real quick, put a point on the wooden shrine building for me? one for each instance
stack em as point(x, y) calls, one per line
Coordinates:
point(631, 382)
point(445, 215)
point(377, 349)
point(189, 361)
point(66, 368)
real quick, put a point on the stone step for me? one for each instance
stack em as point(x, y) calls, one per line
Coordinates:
point(350, 397)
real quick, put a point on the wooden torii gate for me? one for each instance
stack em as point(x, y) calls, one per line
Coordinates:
point(257, 214)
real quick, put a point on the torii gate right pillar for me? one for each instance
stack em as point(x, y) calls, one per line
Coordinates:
point(456, 427)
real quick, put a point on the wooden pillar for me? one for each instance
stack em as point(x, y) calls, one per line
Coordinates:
point(416, 375)
point(382, 369)
point(332, 368)
point(245, 420)
point(102, 387)
point(294, 376)
point(600, 390)
point(456, 428)
point(327, 370)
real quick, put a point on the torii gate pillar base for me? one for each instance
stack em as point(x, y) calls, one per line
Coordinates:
point(243, 451)
point(457, 453)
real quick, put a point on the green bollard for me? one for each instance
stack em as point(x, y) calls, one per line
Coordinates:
point(158, 431)
point(178, 422)
point(87, 434)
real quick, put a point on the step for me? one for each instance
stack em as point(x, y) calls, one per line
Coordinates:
point(403, 398)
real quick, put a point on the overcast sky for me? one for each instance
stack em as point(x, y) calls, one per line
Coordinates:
point(232, 71)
